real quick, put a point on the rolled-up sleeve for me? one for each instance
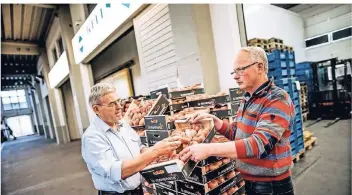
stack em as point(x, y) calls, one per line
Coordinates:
point(100, 159)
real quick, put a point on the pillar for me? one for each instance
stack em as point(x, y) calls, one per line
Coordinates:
point(41, 110)
point(59, 129)
point(80, 75)
point(229, 36)
point(194, 45)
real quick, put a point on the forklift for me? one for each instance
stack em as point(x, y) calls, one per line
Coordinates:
point(331, 97)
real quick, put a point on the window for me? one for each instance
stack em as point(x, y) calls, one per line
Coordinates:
point(341, 34)
point(54, 54)
point(317, 41)
point(13, 100)
point(61, 46)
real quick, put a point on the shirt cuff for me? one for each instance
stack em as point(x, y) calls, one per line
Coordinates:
point(241, 149)
point(116, 171)
point(223, 128)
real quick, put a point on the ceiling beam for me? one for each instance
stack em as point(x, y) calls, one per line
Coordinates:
point(35, 22)
point(6, 15)
point(48, 6)
point(19, 48)
point(17, 21)
point(28, 11)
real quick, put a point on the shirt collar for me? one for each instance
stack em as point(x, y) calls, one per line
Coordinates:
point(262, 90)
point(102, 125)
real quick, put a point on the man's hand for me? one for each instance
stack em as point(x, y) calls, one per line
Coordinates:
point(197, 117)
point(196, 152)
point(166, 146)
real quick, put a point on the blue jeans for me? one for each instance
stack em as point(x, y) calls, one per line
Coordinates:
point(282, 187)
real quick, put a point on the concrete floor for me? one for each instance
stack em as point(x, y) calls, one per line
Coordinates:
point(35, 166)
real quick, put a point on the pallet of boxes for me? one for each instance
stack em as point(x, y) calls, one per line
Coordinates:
point(269, 45)
point(304, 100)
point(168, 174)
point(282, 68)
point(135, 111)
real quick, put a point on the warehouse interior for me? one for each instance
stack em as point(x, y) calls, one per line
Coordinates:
point(52, 54)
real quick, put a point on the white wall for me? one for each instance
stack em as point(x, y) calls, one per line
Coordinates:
point(227, 41)
point(117, 54)
point(266, 21)
point(320, 19)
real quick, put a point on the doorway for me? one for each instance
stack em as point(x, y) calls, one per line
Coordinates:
point(69, 111)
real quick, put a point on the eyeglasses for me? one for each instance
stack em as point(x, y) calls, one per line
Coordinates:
point(115, 104)
point(241, 70)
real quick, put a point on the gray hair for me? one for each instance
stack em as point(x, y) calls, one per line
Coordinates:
point(257, 54)
point(98, 91)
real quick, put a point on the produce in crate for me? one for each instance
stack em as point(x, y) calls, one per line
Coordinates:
point(137, 110)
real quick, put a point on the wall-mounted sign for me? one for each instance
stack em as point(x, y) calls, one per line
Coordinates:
point(101, 23)
point(59, 72)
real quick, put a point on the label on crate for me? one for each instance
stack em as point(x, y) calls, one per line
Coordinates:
point(155, 94)
point(221, 113)
point(236, 93)
point(209, 160)
point(144, 140)
point(155, 136)
point(234, 107)
point(222, 99)
point(162, 190)
point(201, 103)
point(158, 122)
point(160, 106)
point(169, 184)
point(185, 93)
point(160, 173)
point(177, 107)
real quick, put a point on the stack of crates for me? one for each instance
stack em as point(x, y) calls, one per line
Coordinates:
point(304, 73)
point(282, 68)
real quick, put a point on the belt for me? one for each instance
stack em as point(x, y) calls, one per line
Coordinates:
point(283, 181)
point(137, 191)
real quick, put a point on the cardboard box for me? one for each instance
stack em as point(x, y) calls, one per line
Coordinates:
point(221, 113)
point(155, 94)
point(160, 106)
point(209, 160)
point(200, 176)
point(175, 169)
point(176, 94)
point(190, 188)
point(236, 94)
point(158, 122)
point(240, 191)
point(155, 136)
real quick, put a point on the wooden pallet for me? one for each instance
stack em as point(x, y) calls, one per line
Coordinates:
point(276, 40)
point(310, 143)
point(257, 40)
point(264, 46)
point(305, 116)
point(298, 156)
point(288, 48)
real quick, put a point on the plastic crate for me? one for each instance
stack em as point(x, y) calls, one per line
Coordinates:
point(290, 55)
point(277, 63)
point(291, 63)
point(304, 66)
point(299, 148)
point(277, 54)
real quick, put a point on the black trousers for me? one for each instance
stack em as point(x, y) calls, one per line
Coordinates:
point(137, 191)
point(282, 187)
